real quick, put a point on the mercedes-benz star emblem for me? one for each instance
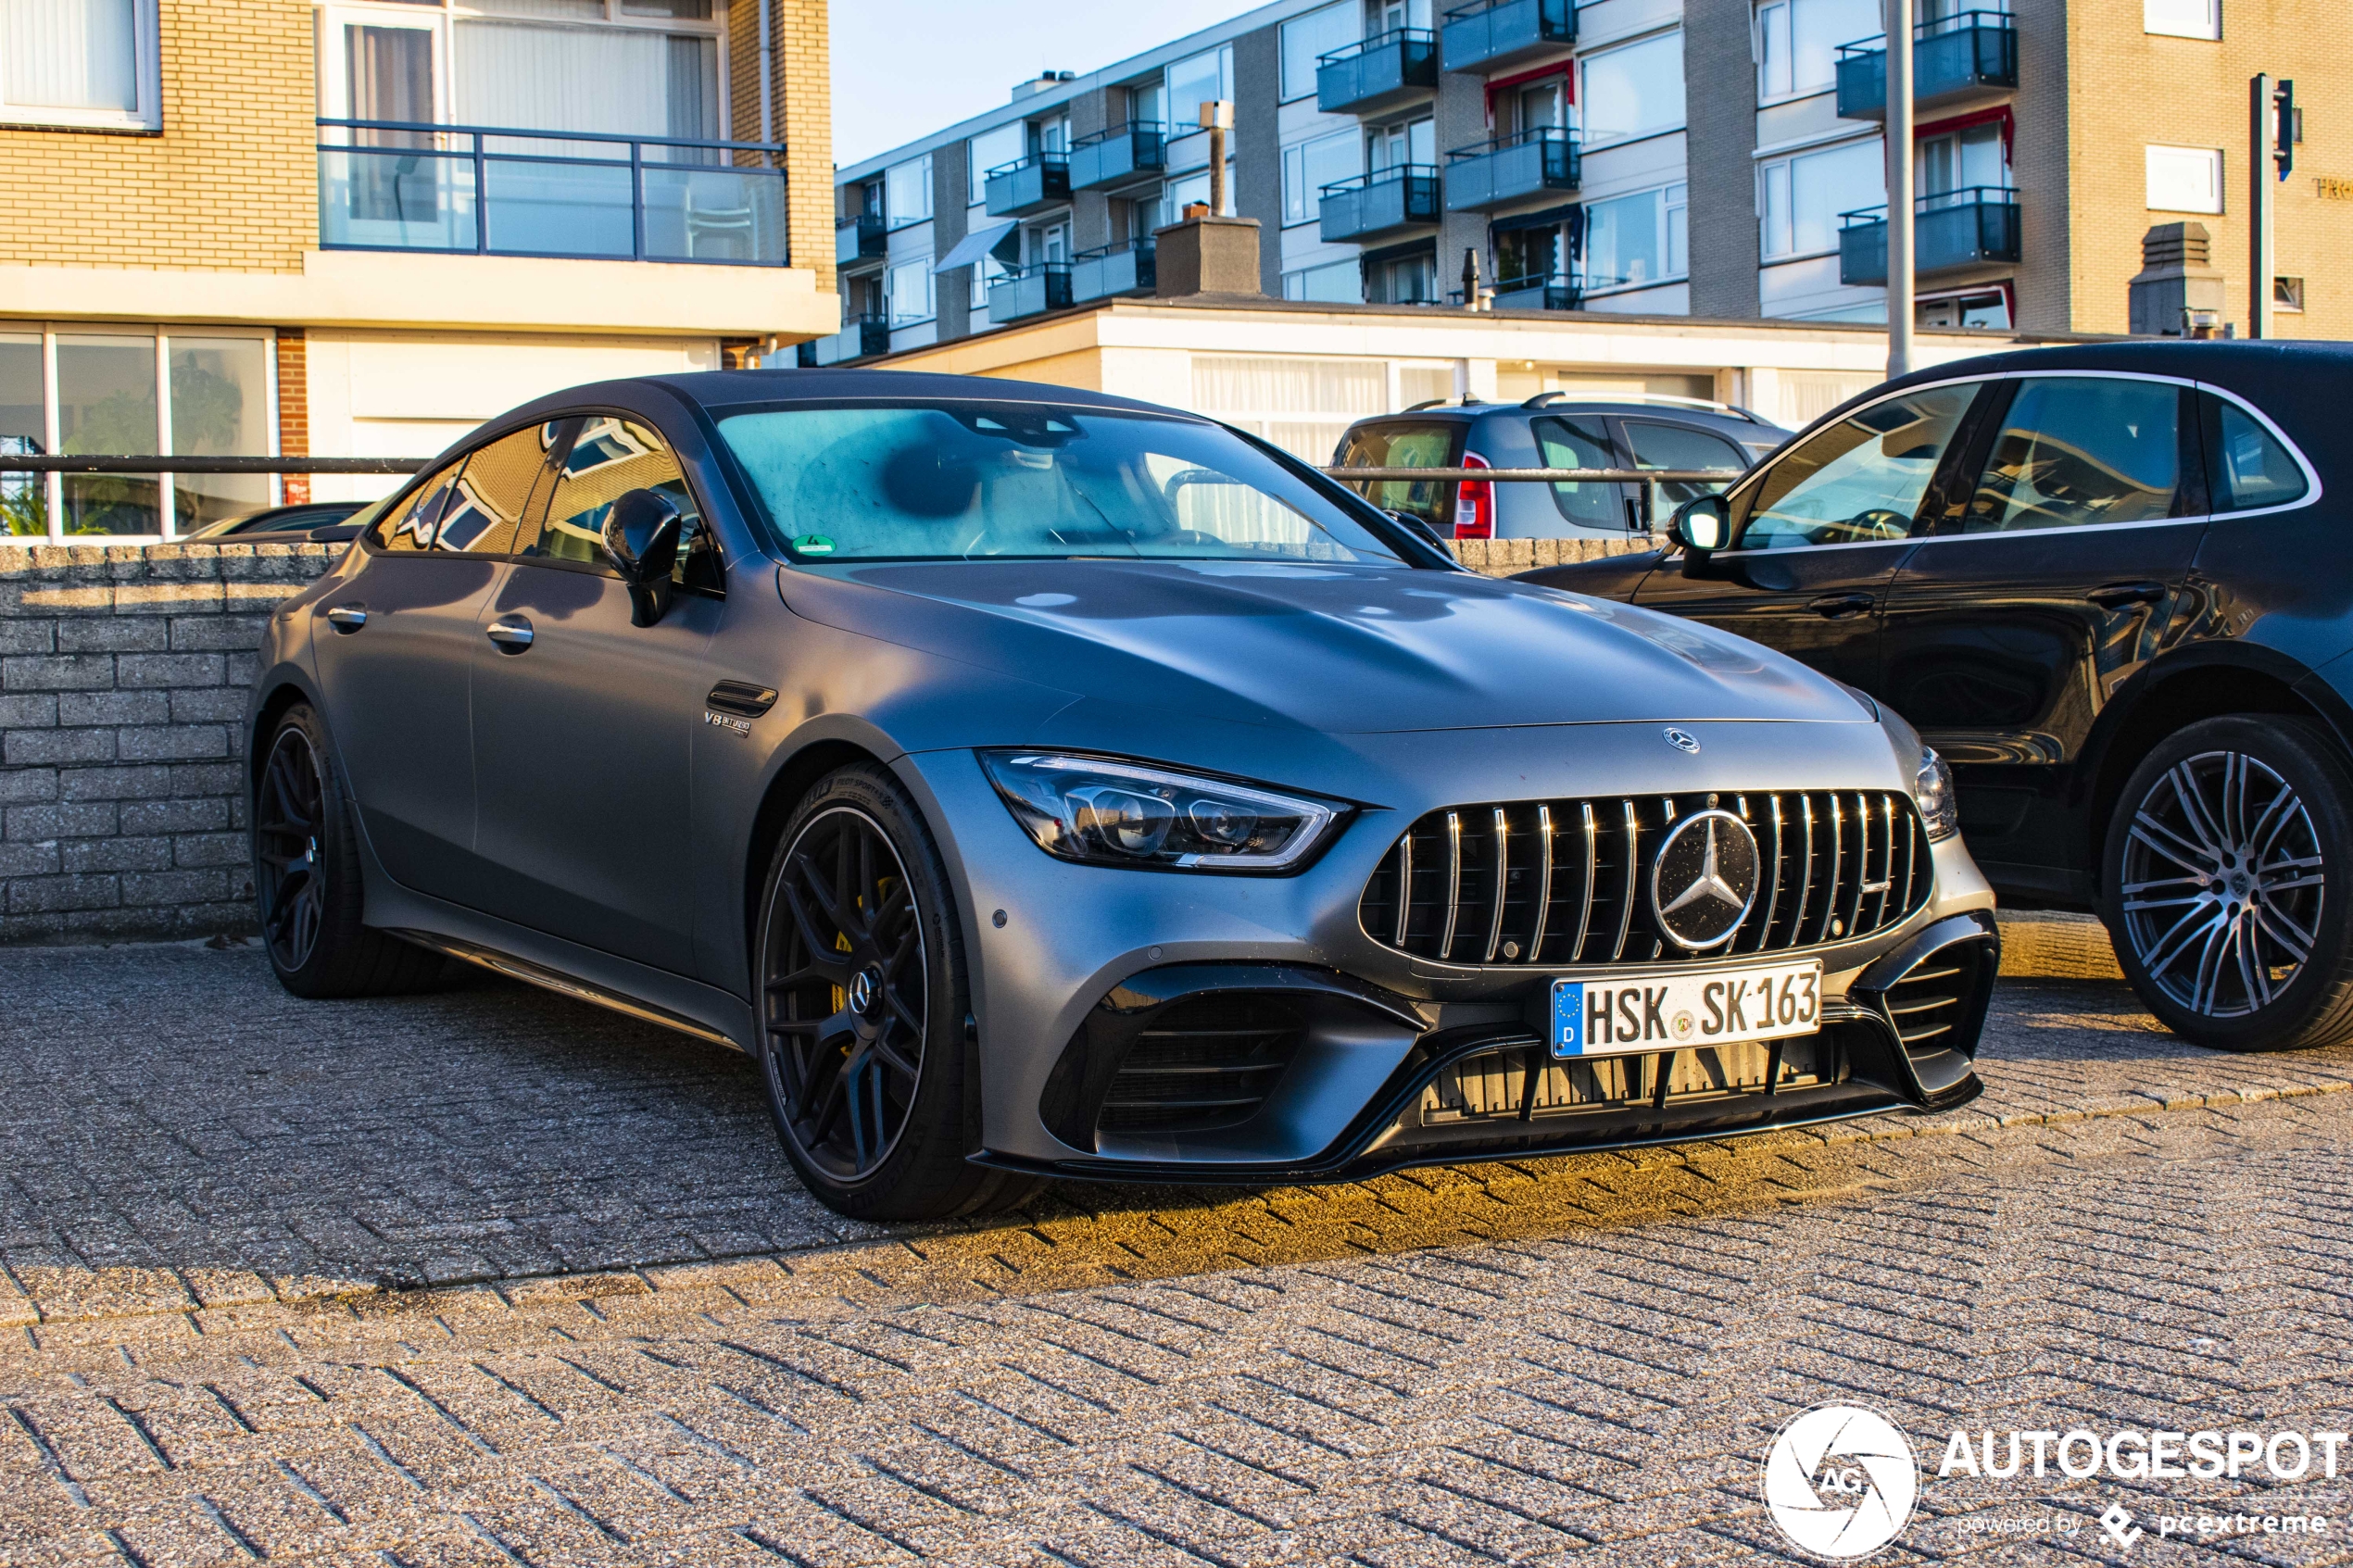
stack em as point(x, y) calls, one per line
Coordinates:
point(1704, 880)
point(1682, 740)
point(863, 991)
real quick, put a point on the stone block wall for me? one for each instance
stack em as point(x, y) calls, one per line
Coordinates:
point(1508, 558)
point(123, 676)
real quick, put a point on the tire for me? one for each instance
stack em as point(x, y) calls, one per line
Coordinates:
point(860, 982)
point(2229, 884)
point(307, 882)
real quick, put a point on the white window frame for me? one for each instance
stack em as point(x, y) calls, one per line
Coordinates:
point(1781, 165)
point(2156, 20)
point(1295, 175)
point(52, 422)
point(895, 220)
point(1354, 13)
point(1767, 95)
point(148, 73)
point(1667, 210)
point(2213, 157)
point(1584, 95)
point(931, 293)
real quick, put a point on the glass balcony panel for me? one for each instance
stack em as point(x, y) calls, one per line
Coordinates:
point(1487, 38)
point(1382, 73)
point(1509, 169)
point(539, 207)
point(861, 339)
point(1951, 230)
point(1016, 190)
point(1120, 155)
point(861, 239)
point(1121, 269)
point(396, 200)
point(1372, 205)
point(1032, 292)
point(1540, 293)
point(715, 214)
point(1955, 58)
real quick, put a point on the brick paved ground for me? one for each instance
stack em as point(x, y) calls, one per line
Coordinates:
point(209, 1188)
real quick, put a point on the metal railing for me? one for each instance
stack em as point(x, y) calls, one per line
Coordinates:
point(1649, 479)
point(413, 185)
point(117, 463)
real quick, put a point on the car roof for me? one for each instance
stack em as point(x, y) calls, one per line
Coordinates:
point(1716, 416)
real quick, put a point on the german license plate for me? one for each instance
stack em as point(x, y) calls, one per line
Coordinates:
point(1657, 1011)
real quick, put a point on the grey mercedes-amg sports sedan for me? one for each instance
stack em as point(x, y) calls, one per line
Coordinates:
point(1039, 782)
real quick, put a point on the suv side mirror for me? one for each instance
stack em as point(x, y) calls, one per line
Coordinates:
point(1702, 525)
point(640, 540)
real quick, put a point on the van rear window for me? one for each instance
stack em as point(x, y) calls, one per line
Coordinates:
point(1407, 443)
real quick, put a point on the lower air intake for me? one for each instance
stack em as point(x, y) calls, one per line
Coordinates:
point(1933, 1000)
point(1201, 1065)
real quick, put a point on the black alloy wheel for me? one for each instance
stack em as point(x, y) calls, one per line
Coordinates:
point(306, 880)
point(2227, 864)
point(863, 1001)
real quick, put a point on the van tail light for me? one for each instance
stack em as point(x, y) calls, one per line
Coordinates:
point(1474, 503)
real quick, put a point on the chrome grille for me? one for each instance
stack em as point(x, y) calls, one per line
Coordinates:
point(1561, 882)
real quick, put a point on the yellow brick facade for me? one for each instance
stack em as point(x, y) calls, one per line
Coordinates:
point(2127, 90)
point(228, 184)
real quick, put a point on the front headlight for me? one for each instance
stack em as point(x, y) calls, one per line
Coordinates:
point(1107, 813)
point(1933, 790)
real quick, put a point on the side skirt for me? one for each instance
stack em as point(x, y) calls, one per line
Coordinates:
point(562, 984)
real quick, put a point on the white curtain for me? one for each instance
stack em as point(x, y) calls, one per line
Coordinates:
point(562, 79)
point(69, 53)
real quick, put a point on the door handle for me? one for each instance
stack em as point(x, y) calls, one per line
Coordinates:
point(348, 618)
point(1835, 607)
point(2115, 595)
point(511, 632)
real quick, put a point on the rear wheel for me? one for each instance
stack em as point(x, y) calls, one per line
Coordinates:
point(306, 880)
point(2230, 878)
point(863, 995)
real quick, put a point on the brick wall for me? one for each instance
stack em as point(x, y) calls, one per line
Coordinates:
point(123, 678)
point(805, 112)
point(230, 182)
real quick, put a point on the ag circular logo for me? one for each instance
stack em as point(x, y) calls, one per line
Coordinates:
point(1704, 880)
point(1841, 1481)
point(1682, 740)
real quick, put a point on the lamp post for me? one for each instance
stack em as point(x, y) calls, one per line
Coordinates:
point(1899, 187)
point(2272, 148)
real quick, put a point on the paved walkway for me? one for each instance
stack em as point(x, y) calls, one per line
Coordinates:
point(490, 1277)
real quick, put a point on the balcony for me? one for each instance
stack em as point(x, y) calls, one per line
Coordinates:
point(1556, 293)
point(1384, 71)
point(1036, 182)
point(861, 339)
point(1509, 169)
point(1033, 290)
point(1956, 61)
point(1117, 156)
point(1386, 202)
point(1493, 37)
point(1950, 229)
point(863, 238)
point(1125, 267)
point(479, 190)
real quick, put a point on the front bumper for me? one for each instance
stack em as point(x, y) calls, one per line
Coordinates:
point(1104, 998)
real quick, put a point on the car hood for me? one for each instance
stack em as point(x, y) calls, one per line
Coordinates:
point(1338, 648)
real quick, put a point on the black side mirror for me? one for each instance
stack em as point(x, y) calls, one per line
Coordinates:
point(334, 534)
point(640, 539)
point(1702, 525)
point(1422, 526)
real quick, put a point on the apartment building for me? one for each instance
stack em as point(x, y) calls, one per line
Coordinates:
point(1713, 159)
point(318, 228)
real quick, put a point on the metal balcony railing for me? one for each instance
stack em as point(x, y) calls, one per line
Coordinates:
point(1125, 267)
point(1027, 185)
point(1511, 168)
point(1556, 291)
point(1382, 73)
point(1115, 156)
point(1950, 228)
point(1490, 37)
point(1404, 196)
point(860, 338)
point(387, 184)
point(863, 238)
point(1956, 59)
point(1033, 290)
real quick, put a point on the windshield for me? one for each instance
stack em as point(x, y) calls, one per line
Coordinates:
point(984, 481)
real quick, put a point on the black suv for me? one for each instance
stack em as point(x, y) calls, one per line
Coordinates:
point(2108, 584)
point(1551, 429)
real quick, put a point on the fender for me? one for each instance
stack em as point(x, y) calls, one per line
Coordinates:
point(2119, 711)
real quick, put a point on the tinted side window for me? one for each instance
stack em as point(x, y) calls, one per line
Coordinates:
point(2246, 465)
point(1861, 478)
point(607, 457)
point(2076, 452)
point(495, 495)
point(1573, 444)
point(1681, 447)
point(413, 527)
point(1398, 443)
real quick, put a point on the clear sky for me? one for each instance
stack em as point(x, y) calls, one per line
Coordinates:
point(902, 67)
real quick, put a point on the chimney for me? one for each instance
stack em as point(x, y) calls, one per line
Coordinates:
point(1206, 255)
point(2178, 292)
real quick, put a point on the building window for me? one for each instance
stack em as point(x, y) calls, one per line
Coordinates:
point(1633, 242)
point(209, 391)
point(993, 149)
point(1633, 91)
point(2287, 293)
point(2184, 179)
point(1311, 166)
point(907, 192)
point(1797, 43)
point(1804, 196)
point(1987, 307)
point(1410, 142)
point(909, 286)
point(1404, 280)
point(1973, 158)
point(1336, 283)
point(1304, 38)
point(86, 63)
point(1203, 78)
point(2183, 19)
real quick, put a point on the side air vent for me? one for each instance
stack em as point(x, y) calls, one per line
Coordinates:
point(1201, 1065)
point(1563, 881)
point(1933, 999)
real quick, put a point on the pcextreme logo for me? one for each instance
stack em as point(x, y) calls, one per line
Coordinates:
point(1840, 1481)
